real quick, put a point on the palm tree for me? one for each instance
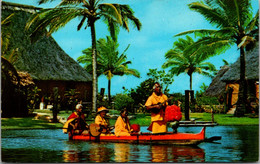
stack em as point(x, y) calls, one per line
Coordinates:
point(179, 61)
point(109, 62)
point(236, 25)
point(89, 11)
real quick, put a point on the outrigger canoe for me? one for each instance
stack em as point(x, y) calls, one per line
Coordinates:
point(149, 138)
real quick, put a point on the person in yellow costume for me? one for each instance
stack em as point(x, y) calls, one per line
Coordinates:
point(122, 125)
point(156, 103)
point(102, 121)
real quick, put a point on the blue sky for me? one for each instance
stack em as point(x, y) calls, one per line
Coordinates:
point(161, 20)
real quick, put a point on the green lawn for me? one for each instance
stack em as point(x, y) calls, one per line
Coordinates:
point(27, 123)
point(141, 119)
point(225, 119)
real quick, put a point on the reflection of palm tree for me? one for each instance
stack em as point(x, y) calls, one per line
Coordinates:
point(109, 62)
point(88, 11)
point(237, 25)
point(179, 61)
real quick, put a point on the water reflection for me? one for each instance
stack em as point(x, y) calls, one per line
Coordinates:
point(122, 152)
point(70, 156)
point(177, 154)
point(87, 152)
point(99, 152)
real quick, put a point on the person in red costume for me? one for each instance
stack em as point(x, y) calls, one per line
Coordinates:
point(76, 122)
point(77, 113)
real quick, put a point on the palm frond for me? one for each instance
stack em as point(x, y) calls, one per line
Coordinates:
point(207, 47)
point(51, 19)
point(171, 63)
point(71, 3)
point(44, 1)
point(211, 14)
point(200, 32)
point(110, 12)
point(253, 24)
point(172, 53)
point(128, 16)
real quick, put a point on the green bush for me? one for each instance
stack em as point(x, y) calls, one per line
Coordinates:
point(123, 101)
point(142, 92)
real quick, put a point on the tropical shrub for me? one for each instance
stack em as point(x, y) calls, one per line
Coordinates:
point(165, 79)
point(123, 101)
point(142, 92)
point(33, 98)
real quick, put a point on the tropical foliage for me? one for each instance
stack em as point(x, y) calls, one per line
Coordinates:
point(71, 97)
point(236, 25)
point(201, 99)
point(179, 60)
point(165, 79)
point(141, 92)
point(123, 101)
point(89, 11)
point(109, 61)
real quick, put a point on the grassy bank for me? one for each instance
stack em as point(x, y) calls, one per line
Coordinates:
point(28, 123)
point(141, 119)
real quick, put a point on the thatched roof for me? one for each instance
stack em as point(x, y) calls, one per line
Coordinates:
point(252, 67)
point(25, 79)
point(217, 87)
point(43, 60)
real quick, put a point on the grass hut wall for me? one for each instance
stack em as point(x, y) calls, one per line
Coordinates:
point(232, 76)
point(48, 65)
point(217, 87)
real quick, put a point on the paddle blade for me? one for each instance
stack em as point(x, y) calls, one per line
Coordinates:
point(214, 138)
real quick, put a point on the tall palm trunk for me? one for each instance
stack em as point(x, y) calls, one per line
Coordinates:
point(191, 81)
point(109, 90)
point(94, 66)
point(242, 95)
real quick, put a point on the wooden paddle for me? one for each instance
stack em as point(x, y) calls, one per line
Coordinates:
point(212, 139)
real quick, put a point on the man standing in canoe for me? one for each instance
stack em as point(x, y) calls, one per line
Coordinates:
point(156, 103)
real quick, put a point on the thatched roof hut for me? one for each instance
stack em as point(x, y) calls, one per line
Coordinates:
point(252, 67)
point(44, 60)
point(217, 87)
point(48, 65)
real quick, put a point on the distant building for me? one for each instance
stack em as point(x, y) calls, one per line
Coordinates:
point(226, 83)
point(232, 76)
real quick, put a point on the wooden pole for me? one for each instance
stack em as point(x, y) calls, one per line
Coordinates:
point(212, 115)
point(187, 105)
point(55, 104)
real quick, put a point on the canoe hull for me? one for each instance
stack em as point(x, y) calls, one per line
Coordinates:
point(147, 138)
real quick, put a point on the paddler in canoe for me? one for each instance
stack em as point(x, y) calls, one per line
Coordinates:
point(76, 122)
point(122, 125)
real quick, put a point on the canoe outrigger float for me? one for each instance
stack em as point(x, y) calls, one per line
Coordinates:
point(149, 138)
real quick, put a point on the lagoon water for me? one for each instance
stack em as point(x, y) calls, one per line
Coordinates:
point(238, 144)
